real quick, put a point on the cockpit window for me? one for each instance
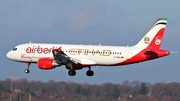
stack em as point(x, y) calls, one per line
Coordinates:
point(14, 49)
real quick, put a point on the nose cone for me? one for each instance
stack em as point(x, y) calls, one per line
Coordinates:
point(8, 55)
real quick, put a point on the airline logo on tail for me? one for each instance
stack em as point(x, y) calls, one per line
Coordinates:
point(158, 40)
point(154, 36)
point(146, 40)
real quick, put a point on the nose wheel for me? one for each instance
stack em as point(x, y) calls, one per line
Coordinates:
point(27, 70)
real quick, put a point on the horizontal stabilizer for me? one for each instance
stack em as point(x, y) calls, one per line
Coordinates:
point(152, 54)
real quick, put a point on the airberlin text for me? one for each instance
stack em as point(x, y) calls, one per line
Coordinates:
point(40, 50)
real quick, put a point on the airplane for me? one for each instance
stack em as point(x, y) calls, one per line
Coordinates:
point(76, 57)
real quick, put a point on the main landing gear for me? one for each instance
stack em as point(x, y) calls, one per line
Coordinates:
point(27, 70)
point(72, 72)
point(89, 72)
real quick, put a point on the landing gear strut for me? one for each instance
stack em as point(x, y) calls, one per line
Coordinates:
point(89, 72)
point(72, 72)
point(27, 70)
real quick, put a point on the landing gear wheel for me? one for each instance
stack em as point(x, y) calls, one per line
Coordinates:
point(72, 72)
point(26, 70)
point(89, 73)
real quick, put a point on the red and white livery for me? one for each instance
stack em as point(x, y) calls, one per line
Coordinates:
point(76, 57)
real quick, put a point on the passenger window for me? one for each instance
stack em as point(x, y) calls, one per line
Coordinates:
point(14, 49)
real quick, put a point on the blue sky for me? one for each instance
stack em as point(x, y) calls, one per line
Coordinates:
point(107, 22)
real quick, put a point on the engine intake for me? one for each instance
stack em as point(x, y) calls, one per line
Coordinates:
point(46, 63)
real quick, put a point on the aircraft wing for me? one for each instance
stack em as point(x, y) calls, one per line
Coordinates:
point(61, 57)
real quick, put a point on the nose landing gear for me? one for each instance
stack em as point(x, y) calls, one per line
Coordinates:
point(27, 70)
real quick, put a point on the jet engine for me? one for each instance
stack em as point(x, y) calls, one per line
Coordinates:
point(46, 63)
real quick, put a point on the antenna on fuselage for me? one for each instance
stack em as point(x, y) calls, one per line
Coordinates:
point(99, 44)
point(30, 42)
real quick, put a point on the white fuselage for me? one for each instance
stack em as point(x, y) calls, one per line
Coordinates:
point(99, 55)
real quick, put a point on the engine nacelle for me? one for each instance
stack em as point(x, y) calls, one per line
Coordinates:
point(46, 63)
